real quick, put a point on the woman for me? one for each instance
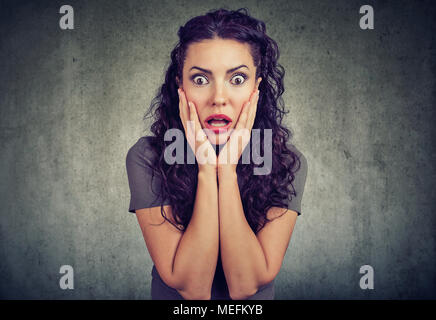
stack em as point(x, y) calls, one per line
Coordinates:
point(214, 228)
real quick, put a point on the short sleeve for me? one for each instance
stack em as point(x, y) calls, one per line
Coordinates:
point(299, 182)
point(144, 187)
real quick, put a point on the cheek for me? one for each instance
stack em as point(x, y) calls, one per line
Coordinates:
point(240, 104)
point(198, 100)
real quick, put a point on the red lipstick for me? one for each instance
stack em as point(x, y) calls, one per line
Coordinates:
point(218, 123)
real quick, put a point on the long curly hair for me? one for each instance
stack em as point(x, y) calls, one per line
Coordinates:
point(179, 181)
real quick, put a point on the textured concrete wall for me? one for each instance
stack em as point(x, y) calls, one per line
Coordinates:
point(362, 111)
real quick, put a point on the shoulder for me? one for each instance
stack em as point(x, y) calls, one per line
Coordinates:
point(143, 145)
point(301, 167)
point(141, 151)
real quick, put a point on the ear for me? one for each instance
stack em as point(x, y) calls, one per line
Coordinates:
point(178, 82)
point(258, 82)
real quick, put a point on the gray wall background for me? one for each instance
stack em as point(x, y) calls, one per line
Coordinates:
point(362, 109)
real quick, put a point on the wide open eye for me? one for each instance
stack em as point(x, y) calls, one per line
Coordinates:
point(199, 79)
point(239, 79)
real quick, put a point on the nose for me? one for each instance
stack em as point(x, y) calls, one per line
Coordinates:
point(219, 96)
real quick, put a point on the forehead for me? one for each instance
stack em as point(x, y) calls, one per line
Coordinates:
point(218, 53)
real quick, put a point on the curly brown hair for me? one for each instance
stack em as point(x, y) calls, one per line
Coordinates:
point(179, 181)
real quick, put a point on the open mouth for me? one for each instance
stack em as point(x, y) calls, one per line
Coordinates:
point(218, 122)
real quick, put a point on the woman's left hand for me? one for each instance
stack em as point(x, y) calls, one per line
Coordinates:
point(229, 156)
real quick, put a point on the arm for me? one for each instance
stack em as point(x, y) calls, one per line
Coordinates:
point(186, 261)
point(249, 260)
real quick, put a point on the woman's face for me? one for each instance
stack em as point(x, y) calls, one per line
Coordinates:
point(219, 77)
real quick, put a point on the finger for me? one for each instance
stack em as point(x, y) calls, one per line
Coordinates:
point(208, 155)
point(194, 117)
point(242, 121)
point(183, 109)
point(246, 112)
point(253, 111)
point(188, 123)
point(239, 136)
point(193, 114)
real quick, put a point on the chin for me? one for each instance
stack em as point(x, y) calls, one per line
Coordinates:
point(218, 139)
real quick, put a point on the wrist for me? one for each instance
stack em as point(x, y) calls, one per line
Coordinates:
point(207, 171)
point(226, 171)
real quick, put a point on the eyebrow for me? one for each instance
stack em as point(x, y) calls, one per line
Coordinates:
point(228, 71)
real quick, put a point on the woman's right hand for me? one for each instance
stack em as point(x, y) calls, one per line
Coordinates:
point(196, 137)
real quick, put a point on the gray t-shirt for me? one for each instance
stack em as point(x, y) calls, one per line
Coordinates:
point(145, 193)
